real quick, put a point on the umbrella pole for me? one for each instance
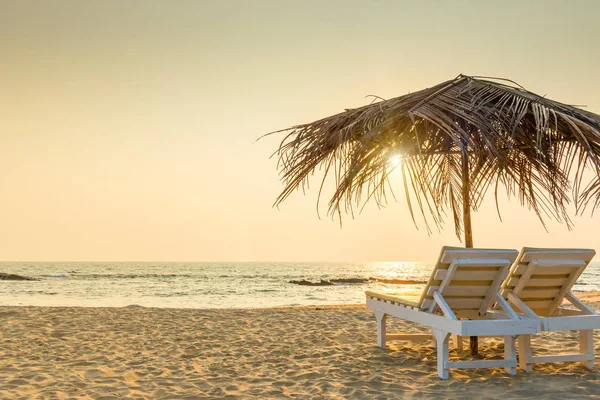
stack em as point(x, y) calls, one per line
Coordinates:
point(466, 203)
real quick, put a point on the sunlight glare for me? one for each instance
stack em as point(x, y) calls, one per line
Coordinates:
point(396, 160)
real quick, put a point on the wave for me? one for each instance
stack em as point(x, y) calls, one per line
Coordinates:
point(60, 275)
point(172, 294)
point(135, 276)
point(164, 276)
point(294, 279)
point(399, 281)
point(356, 281)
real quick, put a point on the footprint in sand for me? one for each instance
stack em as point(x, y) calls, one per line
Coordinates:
point(130, 377)
point(93, 374)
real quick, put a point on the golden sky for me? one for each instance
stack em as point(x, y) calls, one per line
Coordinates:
point(127, 128)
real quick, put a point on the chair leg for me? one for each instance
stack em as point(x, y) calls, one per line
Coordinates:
point(458, 343)
point(433, 340)
point(525, 352)
point(442, 352)
point(510, 353)
point(380, 316)
point(586, 346)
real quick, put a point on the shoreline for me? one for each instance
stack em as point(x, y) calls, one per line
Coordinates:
point(586, 296)
point(136, 306)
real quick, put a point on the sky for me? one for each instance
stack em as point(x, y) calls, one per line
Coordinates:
point(128, 129)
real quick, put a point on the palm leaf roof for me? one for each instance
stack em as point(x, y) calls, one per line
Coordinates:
point(532, 147)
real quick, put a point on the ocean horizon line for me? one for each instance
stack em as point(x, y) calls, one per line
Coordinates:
point(217, 262)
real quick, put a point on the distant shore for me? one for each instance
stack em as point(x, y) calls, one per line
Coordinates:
point(301, 352)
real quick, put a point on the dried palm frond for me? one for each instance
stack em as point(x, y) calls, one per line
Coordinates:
point(536, 149)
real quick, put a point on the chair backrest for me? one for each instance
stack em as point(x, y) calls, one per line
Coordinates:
point(542, 277)
point(468, 279)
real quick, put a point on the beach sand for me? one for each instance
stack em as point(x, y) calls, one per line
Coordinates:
point(305, 352)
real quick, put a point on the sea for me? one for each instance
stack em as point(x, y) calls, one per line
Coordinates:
point(214, 284)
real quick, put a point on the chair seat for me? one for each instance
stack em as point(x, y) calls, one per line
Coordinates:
point(409, 299)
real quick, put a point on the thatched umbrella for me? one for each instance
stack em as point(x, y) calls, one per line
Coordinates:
point(452, 142)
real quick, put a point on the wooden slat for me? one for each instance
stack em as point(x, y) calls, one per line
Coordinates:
point(567, 254)
point(554, 271)
point(547, 294)
point(562, 358)
point(471, 283)
point(538, 304)
point(572, 322)
point(480, 364)
point(457, 304)
point(566, 288)
point(431, 320)
point(521, 306)
point(467, 275)
point(553, 263)
point(461, 290)
point(394, 299)
point(467, 314)
point(521, 268)
point(464, 302)
point(414, 337)
point(482, 262)
point(499, 327)
point(538, 282)
point(446, 282)
point(464, 254)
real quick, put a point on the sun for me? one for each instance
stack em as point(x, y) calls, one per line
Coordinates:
point(395, 160)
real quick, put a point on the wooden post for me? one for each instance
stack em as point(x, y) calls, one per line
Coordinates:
point(466, 203)
point(474, 344)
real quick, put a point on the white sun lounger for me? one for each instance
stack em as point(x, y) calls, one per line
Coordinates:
point(457, 300)
point(538, 283)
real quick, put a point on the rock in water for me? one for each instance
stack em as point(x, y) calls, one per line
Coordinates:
point(350, 280)
point(15, 277)
point(398, 281)
point(304, 282)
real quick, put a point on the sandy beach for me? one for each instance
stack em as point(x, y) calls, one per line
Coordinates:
point(307, 352)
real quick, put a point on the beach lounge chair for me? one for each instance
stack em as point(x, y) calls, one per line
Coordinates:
point(457, 299)
point(539, 281)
